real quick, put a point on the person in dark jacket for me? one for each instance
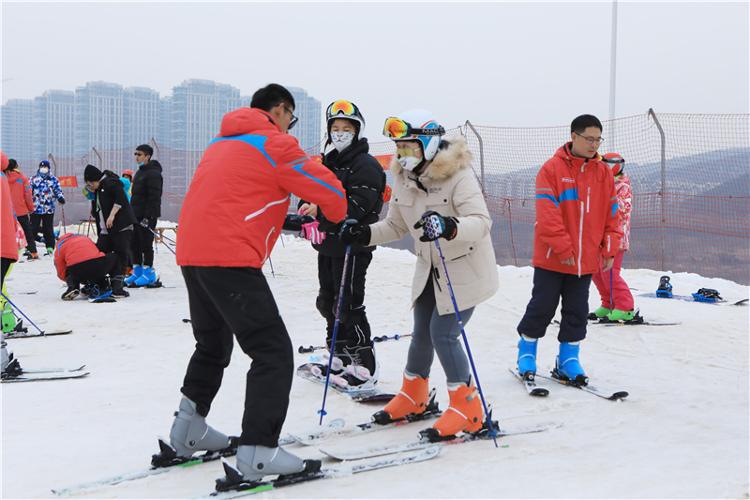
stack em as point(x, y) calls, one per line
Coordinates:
point(114, 220)
point(146, 202)
point(364, 181)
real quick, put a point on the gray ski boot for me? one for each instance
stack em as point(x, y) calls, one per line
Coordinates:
point(190, 433)
point(255, 462)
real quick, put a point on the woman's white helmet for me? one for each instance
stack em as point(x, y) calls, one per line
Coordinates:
point(421, 119)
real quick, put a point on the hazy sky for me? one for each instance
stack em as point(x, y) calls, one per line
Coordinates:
point(509, 64)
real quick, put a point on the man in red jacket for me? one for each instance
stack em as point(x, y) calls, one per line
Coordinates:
point(576, 233)
point(231, 217)
point(78, 260)
point(23, 204)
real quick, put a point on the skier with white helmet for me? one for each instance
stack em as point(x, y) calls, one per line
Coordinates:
point(433, 177)
point(364, 181)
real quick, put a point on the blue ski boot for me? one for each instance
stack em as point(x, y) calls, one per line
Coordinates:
point(137, 273)
point(527, 356)
point(567, 365)
point(147, 278)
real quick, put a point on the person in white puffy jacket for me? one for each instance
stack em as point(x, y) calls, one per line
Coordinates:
point(432, 176)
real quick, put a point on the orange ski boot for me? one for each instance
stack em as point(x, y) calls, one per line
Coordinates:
point(463, 414)
point(412, 399)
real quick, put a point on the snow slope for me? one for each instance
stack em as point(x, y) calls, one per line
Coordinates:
point(683, 432)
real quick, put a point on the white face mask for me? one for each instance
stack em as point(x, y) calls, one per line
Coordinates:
point(341, 140)
point(44, 171)
point(409, 162)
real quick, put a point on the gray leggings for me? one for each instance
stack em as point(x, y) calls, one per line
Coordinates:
point(437, 333)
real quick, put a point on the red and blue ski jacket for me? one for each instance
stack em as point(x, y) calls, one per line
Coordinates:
point(235, 207)
point(576, 214)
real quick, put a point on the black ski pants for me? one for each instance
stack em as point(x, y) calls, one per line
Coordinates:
point(5, 264)
point(45, 222)
point(354, 329)
point(25, 223)
point(228, 302)
point(94, 271)
point(119, 243)
point(143, 243)
point(549, 286)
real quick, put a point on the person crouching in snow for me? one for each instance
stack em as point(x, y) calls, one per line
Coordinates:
point(433, 176)
point(576, 233)
point(617, 301)
point(364, 181)
point(78, 261)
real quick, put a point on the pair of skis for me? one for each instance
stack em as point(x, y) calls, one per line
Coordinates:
point(31, 375)
point(534, 389)
point(24, 333)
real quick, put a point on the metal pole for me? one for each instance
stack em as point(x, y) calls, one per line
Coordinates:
point(101, 162)
point(481, 153)
point(613, 66)
point(663, 190)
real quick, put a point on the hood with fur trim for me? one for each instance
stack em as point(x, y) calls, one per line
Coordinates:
point(449, 159)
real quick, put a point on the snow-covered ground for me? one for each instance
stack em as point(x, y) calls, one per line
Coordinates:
point(683, 432)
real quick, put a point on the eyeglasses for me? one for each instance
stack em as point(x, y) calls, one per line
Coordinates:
point(396, 128)
point(342, 107)
point(294, 120)
point(591, 140)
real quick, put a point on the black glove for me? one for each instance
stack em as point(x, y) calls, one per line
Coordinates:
point(61, 201)
point(355, 233)
point(293, 222)
point(436, 226)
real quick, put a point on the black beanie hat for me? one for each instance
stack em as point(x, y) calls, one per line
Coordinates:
point(91, 173)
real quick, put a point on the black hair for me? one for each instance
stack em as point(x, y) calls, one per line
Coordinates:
point(12, 164)
point(270, 96)
point(145, 148)
point(581, 123)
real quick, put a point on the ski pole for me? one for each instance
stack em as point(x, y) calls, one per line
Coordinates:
point(62, 209)
point(20, 311)
point(383, 338)
point(270, 262)
point(611, 300)
point(169, 248)
point(336, 324)
point(490, 426)
point(162, 236)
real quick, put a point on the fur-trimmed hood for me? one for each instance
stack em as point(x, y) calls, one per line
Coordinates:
point(449, 159)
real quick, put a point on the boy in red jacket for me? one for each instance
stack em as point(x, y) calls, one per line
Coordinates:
point(576, 233)
point(231, 217)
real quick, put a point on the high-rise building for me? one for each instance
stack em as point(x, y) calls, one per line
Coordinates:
point(196, 109)
point(100, 124)
point(17, 132)
point(309, 111)
point(142, 116)
point(54, 124)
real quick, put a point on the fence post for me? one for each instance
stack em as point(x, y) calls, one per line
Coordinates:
point(101, 161)
point(510, 227)
point(481, 155)
point(663, 189)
